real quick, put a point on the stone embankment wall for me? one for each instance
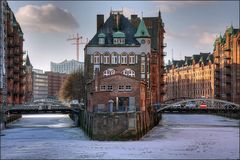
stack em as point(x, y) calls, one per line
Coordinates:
point(116, 125)
point(5, 119)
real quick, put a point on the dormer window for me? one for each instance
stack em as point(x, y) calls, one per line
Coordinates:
point(101, 38)
point(118, 38)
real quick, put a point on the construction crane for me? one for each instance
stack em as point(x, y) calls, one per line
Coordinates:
point(78, 41)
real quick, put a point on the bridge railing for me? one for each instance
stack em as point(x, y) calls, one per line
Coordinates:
point(210, 103)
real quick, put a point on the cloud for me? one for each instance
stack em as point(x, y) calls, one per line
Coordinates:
point(128, 12)
point(207, 38)
point(46, 18)
point(171, 6)
point(167, 8)
point(176, 35)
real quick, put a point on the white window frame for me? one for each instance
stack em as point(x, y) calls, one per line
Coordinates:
point(101, 40)
point(109, 72)
point(102, 88)
point(143, 68)
point(129, 72)
point(109, 88)
point(96, 59)
point(132, 59)
point(121, 88)
point(106, 59)
point(128, 88)
point(124, 58)
point(114, 58)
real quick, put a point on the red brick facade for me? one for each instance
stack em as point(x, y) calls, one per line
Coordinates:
point(130, 72)
point(14, 59)
point(55, 81)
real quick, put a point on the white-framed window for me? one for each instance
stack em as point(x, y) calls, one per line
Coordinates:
point(102, 88)
point(128, 88)
point(124, 58)
point(132, 59)
point(109, 72)
point(142, 59)
point(128, 72)
point(119, 41)
point(114, 58)
point(101, 41)
point(106, 59)
point(121, 88)
point(96, 58)
point(142, 68)
point(109, 87)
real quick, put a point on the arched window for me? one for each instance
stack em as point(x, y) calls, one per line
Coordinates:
point(124, 58)
point(109, 72)
point(132, 58)
point(106, 58)
point(96, 58)
point(128, 72)
point(114, 58)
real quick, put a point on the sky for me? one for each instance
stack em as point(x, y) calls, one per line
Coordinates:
point(191, 26)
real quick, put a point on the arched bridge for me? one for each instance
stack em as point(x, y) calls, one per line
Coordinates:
point(200, 105)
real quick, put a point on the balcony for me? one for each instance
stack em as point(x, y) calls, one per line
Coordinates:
point(22, 74)
point(164, 45)
point(15, 69)
point(11, 34)
point(16, 61)
point(228, 81)
point(10, 66)
point(217, 70)
point(227, 65)
point(10, 76)
point(9, 55)
point(22, 67)
point(227, 58)
point(227, 48)
point(16, 53)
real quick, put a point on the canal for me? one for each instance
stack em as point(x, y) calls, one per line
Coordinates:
point(54, 136)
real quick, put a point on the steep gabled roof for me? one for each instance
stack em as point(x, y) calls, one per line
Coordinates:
point(28, 63)
point(110, 27)
point(142, 30)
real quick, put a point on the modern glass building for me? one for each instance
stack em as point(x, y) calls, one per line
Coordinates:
point(67, 66)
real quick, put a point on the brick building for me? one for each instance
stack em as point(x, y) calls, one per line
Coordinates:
point(208, 75)
point(192, 77)
point(28, 90)
point(55, 81)
point(227, 59)
point(40, 84)
point(13, 58)
point(155, 27)
point(2, 53)
point(119, 63)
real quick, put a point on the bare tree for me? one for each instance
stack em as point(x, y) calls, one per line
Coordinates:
point(73, 87)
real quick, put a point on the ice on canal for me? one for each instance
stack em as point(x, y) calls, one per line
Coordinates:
point(176, 137)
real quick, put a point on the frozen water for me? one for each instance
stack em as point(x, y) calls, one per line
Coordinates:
point(176, 137)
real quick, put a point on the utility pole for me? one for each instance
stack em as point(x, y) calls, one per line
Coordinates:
point(78, 41)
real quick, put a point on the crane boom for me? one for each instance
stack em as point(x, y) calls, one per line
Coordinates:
point(78, 41)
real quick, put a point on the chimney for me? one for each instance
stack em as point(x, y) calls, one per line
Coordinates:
point(134, 20)
point(100, 21)
point(133, 17)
